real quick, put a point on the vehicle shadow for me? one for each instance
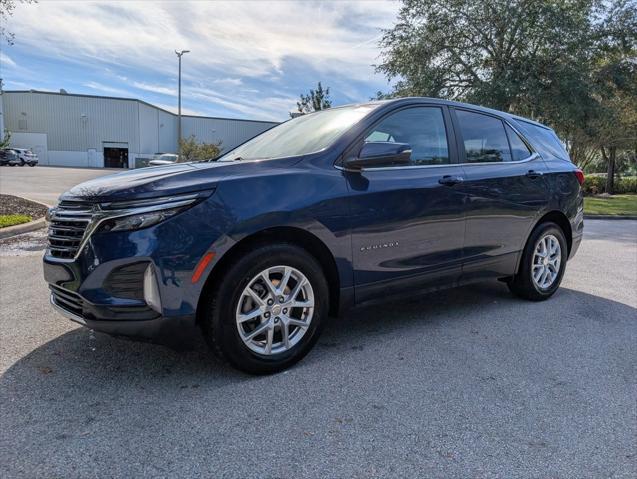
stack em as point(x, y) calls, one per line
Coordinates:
point(80, 390)
point(89, 360)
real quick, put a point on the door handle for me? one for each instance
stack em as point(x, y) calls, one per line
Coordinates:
point(534, 174)
point(449, 180)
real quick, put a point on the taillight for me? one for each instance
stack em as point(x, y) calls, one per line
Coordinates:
point(580, 176)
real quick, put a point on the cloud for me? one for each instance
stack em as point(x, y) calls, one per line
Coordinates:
point(228, 81)
point(5, 60)
point(99, 87)
point(162, 90)
point(233, 44)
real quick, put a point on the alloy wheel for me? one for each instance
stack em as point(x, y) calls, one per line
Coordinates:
point(547, 258)
point(275, 310)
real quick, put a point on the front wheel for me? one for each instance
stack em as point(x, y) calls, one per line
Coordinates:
point(268, 310)
point(542, 265)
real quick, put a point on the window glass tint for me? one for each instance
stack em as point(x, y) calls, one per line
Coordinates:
point(422, 128)
point(484, 137)
point(302, 135)
point(519, 150)
point(544, 140)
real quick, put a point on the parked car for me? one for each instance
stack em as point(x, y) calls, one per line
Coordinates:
point(348, 206)
point(164, 159)
point(9, 157)
point(27, 157)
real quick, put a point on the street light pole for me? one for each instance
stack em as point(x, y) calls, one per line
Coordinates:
point(179, 55)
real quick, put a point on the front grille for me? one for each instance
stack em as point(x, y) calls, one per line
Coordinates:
point(67, 226)
point(127, 281)
point(67, 300)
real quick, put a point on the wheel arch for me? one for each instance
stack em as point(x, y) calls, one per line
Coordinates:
point(280, 234)
point(561, 220)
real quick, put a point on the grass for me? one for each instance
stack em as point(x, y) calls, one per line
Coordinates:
point(11, 220)
point(611, 205)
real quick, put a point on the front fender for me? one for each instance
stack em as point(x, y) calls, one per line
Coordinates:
point(314, 202)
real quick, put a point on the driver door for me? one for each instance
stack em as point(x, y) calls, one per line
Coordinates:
point(408, 221)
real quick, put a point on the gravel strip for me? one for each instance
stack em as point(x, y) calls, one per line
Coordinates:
point(14, 205)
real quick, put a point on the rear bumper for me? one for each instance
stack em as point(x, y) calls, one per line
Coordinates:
point(577, 240)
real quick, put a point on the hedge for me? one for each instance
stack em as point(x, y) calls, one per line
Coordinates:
point(594, 185)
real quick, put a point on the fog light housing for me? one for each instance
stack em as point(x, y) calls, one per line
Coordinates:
point(151, 289)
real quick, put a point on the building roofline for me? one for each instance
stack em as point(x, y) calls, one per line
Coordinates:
point(103, 97)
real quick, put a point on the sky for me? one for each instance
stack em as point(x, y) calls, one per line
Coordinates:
point(248, 59)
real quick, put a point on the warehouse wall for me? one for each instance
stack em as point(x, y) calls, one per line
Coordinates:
point(78, 127)
point(72, 123)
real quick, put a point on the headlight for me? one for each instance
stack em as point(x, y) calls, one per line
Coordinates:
point(137, 222)
point(139, 214)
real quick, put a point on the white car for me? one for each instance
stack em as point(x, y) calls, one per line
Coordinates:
point(26, 157)
point(164, 159)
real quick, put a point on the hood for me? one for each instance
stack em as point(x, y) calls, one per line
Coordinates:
point(157, 181)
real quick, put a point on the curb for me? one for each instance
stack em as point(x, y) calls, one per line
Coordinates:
point(10, 231)
point(610, 217)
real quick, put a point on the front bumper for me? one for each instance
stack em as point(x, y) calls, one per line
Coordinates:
point(166, 330)
point(103, 287)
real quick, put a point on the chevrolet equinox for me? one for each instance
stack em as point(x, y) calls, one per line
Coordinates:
point(328, 210)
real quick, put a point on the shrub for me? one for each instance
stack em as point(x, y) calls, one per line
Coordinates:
point(595, 185)
point(12, 220)
point(626, 185)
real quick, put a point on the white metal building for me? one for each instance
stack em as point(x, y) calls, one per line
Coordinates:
point(95, 131)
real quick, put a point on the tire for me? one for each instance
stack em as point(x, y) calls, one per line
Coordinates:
point(222, 305)
point(22, 162)
point(32, 164)
point(523, 283)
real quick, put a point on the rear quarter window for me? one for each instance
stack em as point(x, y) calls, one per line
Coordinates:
point(544, 140)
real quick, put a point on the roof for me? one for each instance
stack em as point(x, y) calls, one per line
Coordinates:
point(441, 101)
point(81, 95)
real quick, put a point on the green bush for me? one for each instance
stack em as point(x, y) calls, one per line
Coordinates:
point(12, 220)
point(594, 185)
point(626, 185)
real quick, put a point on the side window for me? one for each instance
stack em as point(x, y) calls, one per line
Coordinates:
point(484, 137)
point(543, 139)
point(519, 150)
point(423, 128)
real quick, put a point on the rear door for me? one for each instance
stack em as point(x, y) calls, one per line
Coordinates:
point(505, 188)
point(408, 221)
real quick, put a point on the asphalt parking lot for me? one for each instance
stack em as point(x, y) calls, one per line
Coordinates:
point(468, 382)
point(45, 183)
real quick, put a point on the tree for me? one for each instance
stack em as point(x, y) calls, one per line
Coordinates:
point(193, 151)
point(318, 99)
point(615, 77)
point(548, 60)
point(6, 141)
point(6, 10)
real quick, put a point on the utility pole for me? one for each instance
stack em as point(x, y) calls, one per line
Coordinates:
point(179, 55)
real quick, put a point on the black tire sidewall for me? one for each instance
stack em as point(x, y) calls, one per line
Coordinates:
point(526, 268)
point(229, 292)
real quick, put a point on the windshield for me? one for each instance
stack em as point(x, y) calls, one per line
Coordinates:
point(302, 135)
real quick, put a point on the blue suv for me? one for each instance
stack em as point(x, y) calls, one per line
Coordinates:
point(337, 208)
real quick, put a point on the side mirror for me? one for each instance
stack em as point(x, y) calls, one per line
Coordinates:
point(376, 154)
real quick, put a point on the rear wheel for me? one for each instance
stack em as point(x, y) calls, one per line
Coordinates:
point(542, 265)
point(268, 310)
